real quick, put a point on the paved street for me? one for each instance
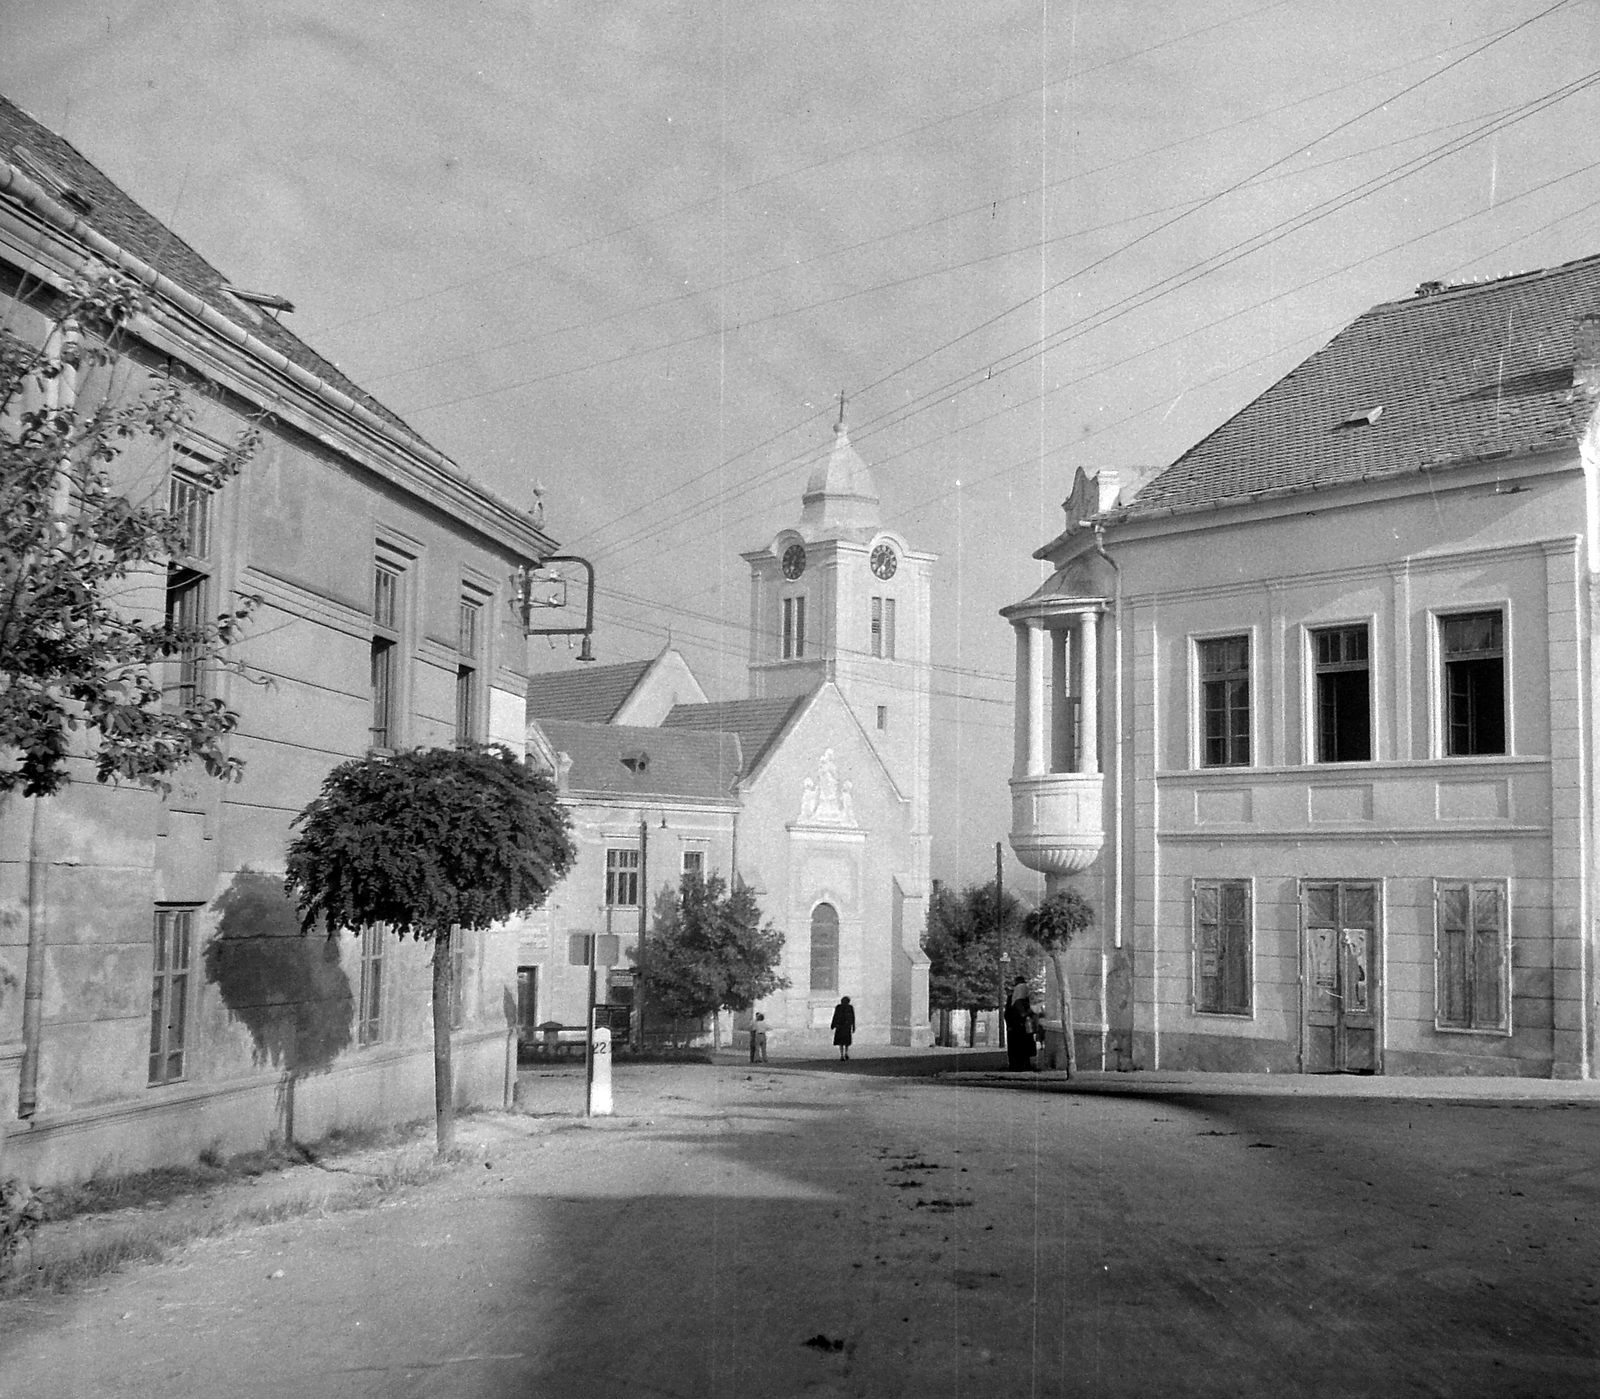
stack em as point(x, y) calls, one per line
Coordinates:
point(826, 1230)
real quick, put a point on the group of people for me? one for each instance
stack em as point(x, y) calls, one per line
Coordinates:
point(1022, 1027)
point(843, 1026)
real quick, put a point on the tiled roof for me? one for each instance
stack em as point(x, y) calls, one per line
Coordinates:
point(591, 694)
point(758, 722)
point(624, 760)
point(1465, 372)
point(117, 217)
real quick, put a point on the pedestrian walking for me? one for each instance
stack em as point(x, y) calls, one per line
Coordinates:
point(844, 1026)
point(1020, 1045)
point(758, 1039)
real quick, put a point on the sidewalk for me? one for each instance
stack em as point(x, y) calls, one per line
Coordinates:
point(1217, 1085)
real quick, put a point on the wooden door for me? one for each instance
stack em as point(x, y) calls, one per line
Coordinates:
point(1341, 958)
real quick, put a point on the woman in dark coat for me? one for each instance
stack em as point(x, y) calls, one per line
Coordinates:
point(844, 1026)
point(1020, 1045)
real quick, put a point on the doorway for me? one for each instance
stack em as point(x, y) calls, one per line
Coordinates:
point(1341, 959)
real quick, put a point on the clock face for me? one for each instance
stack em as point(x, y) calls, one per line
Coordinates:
point(884, 562)
point(794, 561)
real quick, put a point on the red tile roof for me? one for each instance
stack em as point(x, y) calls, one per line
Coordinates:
point(626, 760)
point(759, 723)
point(28, 145)
point(1467, 372)
point(590, 694)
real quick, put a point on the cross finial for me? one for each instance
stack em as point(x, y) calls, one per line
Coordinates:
point(841, 408)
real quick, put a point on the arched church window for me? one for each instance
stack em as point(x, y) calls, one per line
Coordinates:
point(825, 948)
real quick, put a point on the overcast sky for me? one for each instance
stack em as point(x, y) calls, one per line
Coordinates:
point(633, 250)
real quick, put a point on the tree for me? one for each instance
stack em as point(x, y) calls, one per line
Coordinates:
point(708, 950)
point(73, 655)
point(1054, 925)
point(963, 950)
point(425, 842)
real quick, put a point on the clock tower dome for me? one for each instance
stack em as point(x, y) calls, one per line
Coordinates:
point(839, 597)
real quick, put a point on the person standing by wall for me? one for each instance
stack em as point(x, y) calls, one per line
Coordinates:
point(844, 1026)
point(1020, 1044)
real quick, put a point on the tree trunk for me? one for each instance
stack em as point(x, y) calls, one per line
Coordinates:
point(1064, 1010)
point(972, 1028)
point(444, 1098)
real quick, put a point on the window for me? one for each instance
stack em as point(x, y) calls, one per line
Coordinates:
point(185, 615)
point(1344, 695)
point(386, 618)
point(188, 579)
point(794, 628)
point(883, 627)
point(622, 879)
point(1472, 648)
point(1225, 701)
point(458, 977)
point(169, 993)
point(1472, 955)
point(824, 949)
point(468, 638)
point(883, 717)
point(1222, 946)
point(694, 862)
point(369, 1008)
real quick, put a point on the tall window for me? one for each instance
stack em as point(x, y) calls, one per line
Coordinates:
point(825, 948)
point(622, 879)
point(794, 628)
point(469, 637)
point(169, 993)
point(883, 627)
point(1344, 695)
point(1472, 958)
point(369, 1007)
point(1222, 946)
point(694, 862)
point(386, 618)
point(188, 582)
point(1472, 649)
point(1225, 701)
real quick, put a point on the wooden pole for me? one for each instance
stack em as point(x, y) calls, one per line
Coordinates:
point(1000, 942)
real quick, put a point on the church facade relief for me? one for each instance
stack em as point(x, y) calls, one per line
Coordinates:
point(827, 848)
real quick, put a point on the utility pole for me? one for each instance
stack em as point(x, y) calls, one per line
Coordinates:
point(1000, 942)
point(644, 892)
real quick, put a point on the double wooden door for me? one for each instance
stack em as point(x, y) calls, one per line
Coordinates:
point(1341, 961)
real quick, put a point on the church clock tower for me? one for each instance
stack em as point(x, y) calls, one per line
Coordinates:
point(838, 597)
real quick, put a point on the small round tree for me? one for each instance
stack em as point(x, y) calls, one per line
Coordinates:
point(1053, 925)
point(428, 841)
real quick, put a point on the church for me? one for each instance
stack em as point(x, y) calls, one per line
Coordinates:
point(812, 790)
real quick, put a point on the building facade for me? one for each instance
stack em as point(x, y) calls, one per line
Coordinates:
point(156, 997)
point(829, 820)
point(1310, 717)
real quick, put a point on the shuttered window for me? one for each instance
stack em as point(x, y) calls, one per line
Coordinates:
point(1473, 956)
point(1222, 946)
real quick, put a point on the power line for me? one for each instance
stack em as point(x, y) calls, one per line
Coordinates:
point(1145, 296)
point(500, 270)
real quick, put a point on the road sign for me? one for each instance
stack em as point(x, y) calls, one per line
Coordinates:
point(607, 952)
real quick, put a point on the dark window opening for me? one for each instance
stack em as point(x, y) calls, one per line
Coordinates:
point(1222, 946)
point(1472, 645)
point(1344, 695)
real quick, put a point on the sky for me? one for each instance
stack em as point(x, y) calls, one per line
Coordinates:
point(628, 252)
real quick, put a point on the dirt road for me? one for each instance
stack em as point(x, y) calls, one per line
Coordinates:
point(813, 1231)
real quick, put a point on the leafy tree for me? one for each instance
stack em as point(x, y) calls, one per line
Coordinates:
point(73, 656)
point(427, 841)
point(963, 970)
point(1054, 925)
point(708, 950)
